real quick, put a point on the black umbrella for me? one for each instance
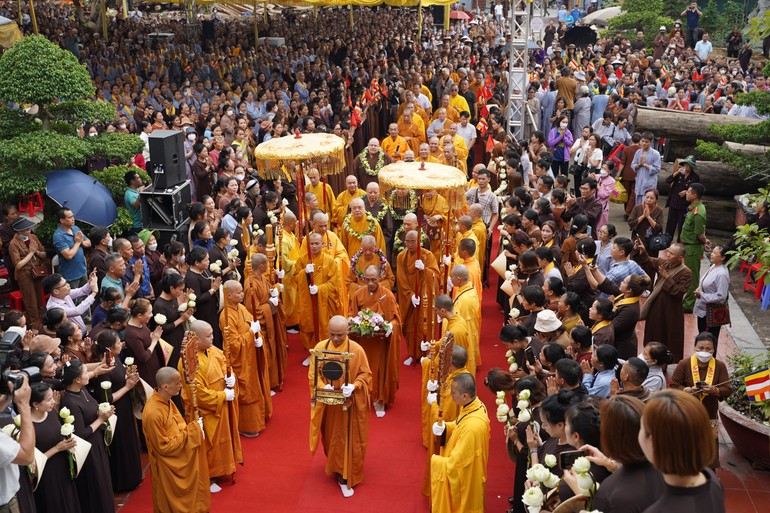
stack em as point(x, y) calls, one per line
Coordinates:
point(580, 36)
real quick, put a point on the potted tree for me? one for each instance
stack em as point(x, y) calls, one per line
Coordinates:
point(746, 421)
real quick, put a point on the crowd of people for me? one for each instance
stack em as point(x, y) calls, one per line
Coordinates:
point(118, 311)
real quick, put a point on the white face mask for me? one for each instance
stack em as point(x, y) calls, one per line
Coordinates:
point(181, 259)
point(229, 113)
point(240, 177)
point(603, 173)
point(152, 247)
point(92, 134)
point(109, 243)
point(190, 137)
point(563, 125)
point(24, 237)
point(703, 356)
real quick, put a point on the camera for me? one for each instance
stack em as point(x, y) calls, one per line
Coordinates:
point(10, 342)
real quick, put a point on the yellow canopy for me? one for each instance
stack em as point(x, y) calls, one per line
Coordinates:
point(9, 33)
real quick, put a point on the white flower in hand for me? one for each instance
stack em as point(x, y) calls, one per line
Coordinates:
point(285, 202)
point(524, 416)
point(67, 430)
point(522, 404)
point(552, 481)
point(64, 413)
point(129, 361)
point(585, 482)
point(581, 465)
point(70, 419)
point(502, 410)
point(533, 498)
point(524, 394)
point(513, 368)
point(509, 353)
point(160, 319)
point(550, 460)
point(233, 242)
point(514, 314)
point(106, 385)
point(232, 254)
point(192, 297)
point(105, 407)
point(538, 473)
point(191, 304)
point(182, 308)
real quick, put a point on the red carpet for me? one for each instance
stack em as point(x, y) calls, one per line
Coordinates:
point(280, 475)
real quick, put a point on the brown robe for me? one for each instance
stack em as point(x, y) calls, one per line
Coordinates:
point(354, 283)
point(256, 298)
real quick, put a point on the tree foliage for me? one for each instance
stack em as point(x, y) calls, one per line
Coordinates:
point(744, 165)
point(642, 15)
point(113, 178)
point(117, 146)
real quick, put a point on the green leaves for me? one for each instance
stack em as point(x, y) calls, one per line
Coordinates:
point(121, 147)
point(113, 178)
point(640, 15)
point(82, 111)
point(744, 165)
point(36, 70)
point(744, 134)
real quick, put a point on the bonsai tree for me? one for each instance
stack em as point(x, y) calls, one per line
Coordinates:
point(640, 15)
point(47, 95)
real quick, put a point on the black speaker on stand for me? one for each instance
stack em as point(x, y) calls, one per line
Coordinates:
point(438, 14)
point(167, 159)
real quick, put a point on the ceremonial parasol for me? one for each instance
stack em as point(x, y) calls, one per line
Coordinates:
point(325, 152)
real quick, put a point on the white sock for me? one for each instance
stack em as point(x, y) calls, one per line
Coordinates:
point(409, 361)
point(306, 362)
point(214, 488)
point(346, 492)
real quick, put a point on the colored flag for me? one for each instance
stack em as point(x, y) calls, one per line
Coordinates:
point(490, 144)
point(758, 385)
point(482, 127)
point(355, 117)
point(573, 64)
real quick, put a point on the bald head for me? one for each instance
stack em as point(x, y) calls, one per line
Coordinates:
point(475, 210)
point(204, 332)
point(338, 323)
point(444, 302)
point(258, 260)
point(233, 286)
point(368, 242)
point(465, 222)
point(166, 376)
point(459, 356)
point(459, 275)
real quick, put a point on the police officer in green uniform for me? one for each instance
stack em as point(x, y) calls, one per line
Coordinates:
point(693, 237)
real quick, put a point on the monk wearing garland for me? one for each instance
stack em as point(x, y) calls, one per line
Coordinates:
point(368, 255)
point(382, 356)
point(380, 211)
point(367, 166)
point(468, 306)
point(289, 255)
point(344, 198)
point(451, 321)
point(262, 301)
point(180, 476)
point(344, 434)
point(243, 339)
point(332, 246)
point(357, 224)
point(323, 192)
point(326, 287)
point(217, 406)
point(417, 320)
point(435, 208)
point(394, 145)
point(459, 475)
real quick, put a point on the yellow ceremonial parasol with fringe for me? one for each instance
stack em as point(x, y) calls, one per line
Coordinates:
point(448, 181)
point(280, 155)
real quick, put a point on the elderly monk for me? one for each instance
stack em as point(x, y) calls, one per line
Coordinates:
point(289, 255)
point(380, 211)
point(262, 302)
point(369, 162)
point(311, 204)
point(394, 145)
point(180, 477)
point(451, 113)
point(458, 476)
point(436, 151)
point(344, 198)
point(383, 356)
point(243, 342)
point(435, 208)
point(480, 231)
point(468, 306)
point(452, 321)
point(215, 392)
point(412, 130)
point(360, 223)
point(323, 191)
point(465, 231)
point(439, 124)
point(326, 288)
point(344, 434)
point(451, 158)
point(333, 247)
point(409, 103)
point(368, 255)
point(413, 268)
point(450, 410)
point(424, 155)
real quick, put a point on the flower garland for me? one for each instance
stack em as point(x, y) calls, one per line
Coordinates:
point(410, 210)
point(365, 163)
point(398, 242)
point(360, 274)
point(381, 215)
point(369, 230)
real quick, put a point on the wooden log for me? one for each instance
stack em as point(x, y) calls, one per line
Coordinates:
point(756, 150)
point(720, 214)
point(676, 124)
point(720, 180)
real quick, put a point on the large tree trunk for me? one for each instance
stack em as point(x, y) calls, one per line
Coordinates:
point(675, 124)
point(756, 150)
point(718, 178)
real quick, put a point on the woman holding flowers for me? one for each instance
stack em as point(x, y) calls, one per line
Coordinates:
point(56, 491)
point(94, 483)
point(115, 388)
point(143, 344)
point(167, 315)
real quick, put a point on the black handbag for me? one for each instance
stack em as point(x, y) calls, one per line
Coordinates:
point(659, 242)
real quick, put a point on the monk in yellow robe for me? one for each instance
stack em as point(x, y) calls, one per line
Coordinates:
point(458, 102)
point(451, 114)
point(289, 255)
point(436, 150)
point(344, 434)
point(468, 306)
point(333, 247)
point(243, 341)
point(261, 300)
point(435, 208)
point(459, 142)
point(180, 475)
point(412, 130)
point(479, 230)
point(465, 231)
point(411, 104)
point(451, 158)
point(327, 285)
point(366, 256)
point(459, 475)
point(424, 154)
point(358, 224)
point(394, 145)
point(216, 404)
point(344, 198)
point(452, 321)
point(416, 317)
point(382, 356)
point(465, 251)
point(323, 192)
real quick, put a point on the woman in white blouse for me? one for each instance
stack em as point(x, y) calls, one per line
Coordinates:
point(713, 289)
point(588, 159)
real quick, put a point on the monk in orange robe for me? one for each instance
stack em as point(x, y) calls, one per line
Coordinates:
point(323, 191)
point(216, 404)
point(358, 224)
point(333, 247)
point(180, 476)
point(394, 145)
point(417, 318)
point(465, 251)
point(261, 300)
point(383, 356)
point(344, 198)
point(468, 306)
point(425, 154)
point(411, 128)
point(344, 434)
point(289, 255)
point(435, 208)
point(327, 285)
point(465, 231)
point(368, 255)
point(244, 343)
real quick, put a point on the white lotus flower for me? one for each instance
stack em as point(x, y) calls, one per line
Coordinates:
point(586, 483)
point(511, 360)
point(260, 233)
point(508, 275)
point(191, 304)
point(64, 412)
point(182, 308)
point(505, 242)
point(513, 368)
point(502, 409)
point(285, 202)
point(70, 419)
point(524, 394)
point(233, 242)
point(533, 498)
point(106, 385)
point(192, 297)
point(129, 361)
point(513, 267)
point(8, 430)
point(17, 420)
point(509, 354)
point(552, 481)
point(67, 430)
point(538, 473)
point(581, 465)
point(523, 404)
point(499, 401)
point(514, 314)
point(524, 416)
point(550, 460)
point(105, 407)
point(219, 262)
point(160, 319)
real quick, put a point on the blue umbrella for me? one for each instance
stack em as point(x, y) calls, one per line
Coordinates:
point(89, 200)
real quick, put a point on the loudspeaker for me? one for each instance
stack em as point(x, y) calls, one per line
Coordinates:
point(207, 30)
point(438, 15)
point(178, 233)
point(165, 208)
point(167, 158)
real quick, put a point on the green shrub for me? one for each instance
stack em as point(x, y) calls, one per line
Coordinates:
point(121, 147)
point(112, 178)
point(122, 223)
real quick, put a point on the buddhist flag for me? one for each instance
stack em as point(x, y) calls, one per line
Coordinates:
point(482, 127)
point(758, 385)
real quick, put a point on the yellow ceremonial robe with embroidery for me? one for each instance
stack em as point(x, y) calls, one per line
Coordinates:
point(341, 205)
point(353, 282)
point(327, 278)
point(335, 249)
point(326, 205)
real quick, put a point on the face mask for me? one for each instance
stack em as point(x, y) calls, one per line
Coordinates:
point(229, 113)
point(603, 173)
point(190, 137)
point(152, 247)
point(122, 127)
point(109, 243)
point(563, 125)
point(24, 237)
point(703, 356)
point(240, 177)
point(92, 134)
point(181, 259)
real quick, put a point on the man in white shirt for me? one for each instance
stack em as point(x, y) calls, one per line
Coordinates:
point(703, 49)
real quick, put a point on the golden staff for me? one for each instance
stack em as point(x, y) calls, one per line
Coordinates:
point(190, 367)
